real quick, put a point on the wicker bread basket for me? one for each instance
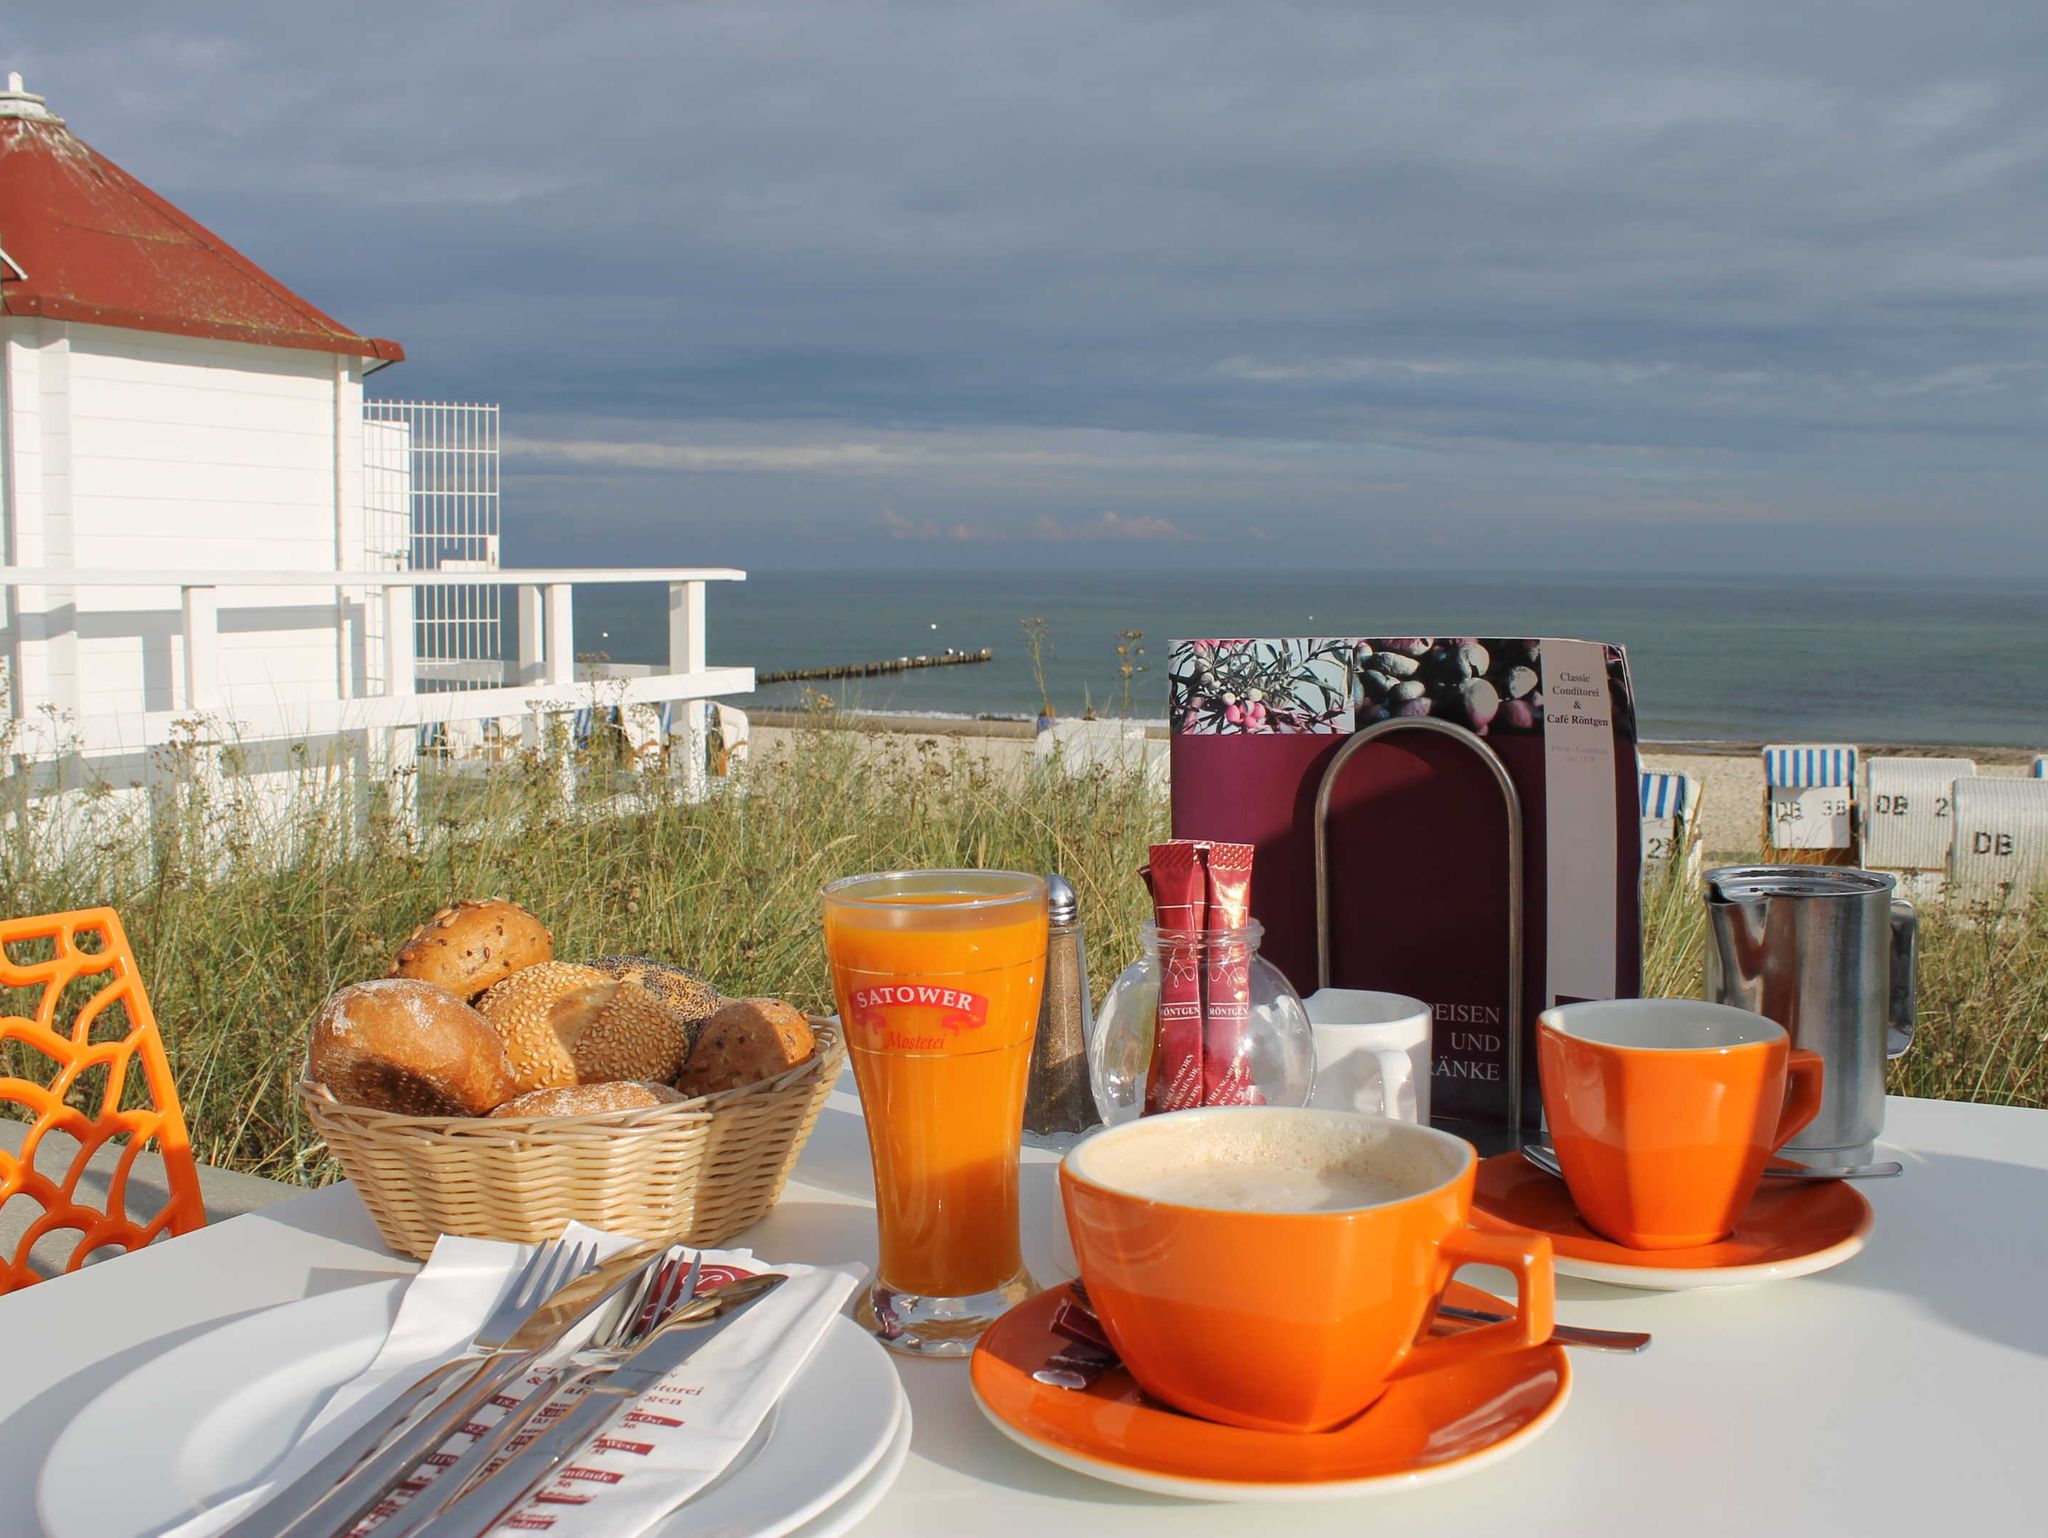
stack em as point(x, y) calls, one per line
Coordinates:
point(696, 1172)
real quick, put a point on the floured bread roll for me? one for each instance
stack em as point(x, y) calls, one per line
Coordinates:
point(472, 944)
point(566, 1024)
point(745, 1042)
point(589, 1099)
point(398, 1044)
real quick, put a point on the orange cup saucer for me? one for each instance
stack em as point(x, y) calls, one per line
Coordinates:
point(1789, 1228)
point(1424, 1429)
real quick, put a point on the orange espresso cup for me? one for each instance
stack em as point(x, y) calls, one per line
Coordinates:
point(1276, 1267)
point(1664, 1112)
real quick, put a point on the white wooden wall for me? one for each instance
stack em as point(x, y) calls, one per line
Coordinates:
point(134, 449)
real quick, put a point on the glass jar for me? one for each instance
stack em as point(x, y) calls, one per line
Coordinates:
point(1274, 1051)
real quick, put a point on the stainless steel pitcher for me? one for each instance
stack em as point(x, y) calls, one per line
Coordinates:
point(1829, 954)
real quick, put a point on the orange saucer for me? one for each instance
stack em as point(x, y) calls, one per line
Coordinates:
point(1422, 1430)
point(1790, 1228)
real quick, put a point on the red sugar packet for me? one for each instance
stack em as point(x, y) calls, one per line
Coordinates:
point(1226, 980)
point(1179, 907)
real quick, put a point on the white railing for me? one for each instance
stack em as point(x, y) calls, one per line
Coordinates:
point(546, 665)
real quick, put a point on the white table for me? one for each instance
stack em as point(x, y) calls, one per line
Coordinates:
point(1904, 1392)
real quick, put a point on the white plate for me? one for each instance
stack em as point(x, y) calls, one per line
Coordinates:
point(208, 1416)
point(863, 1497)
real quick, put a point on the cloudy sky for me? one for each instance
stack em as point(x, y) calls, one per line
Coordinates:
point(1577, 285)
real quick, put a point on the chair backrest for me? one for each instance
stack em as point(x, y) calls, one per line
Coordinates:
point(80, 1053)
point(1909, 811)
point(1666, 794)
point(2001, 845)
point(1798, 765)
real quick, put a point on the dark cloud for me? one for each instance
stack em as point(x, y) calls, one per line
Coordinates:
point(1573, 283)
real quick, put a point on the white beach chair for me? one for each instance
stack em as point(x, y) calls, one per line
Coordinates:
point(1671, 834)
point(1078, 748)
point(1907, 814)
point(2000, 854)
point(645, 728)
point(1809, 797)
point(707, 743)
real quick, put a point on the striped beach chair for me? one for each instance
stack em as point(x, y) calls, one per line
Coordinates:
point(1670, 811)
point(1907, 818)
point(1809, 800)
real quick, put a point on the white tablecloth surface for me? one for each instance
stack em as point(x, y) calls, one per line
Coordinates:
point(1904, 1392)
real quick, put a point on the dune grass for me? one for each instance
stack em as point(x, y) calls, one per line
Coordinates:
point(244, 922)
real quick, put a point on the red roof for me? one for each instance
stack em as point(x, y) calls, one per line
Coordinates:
point(85, 241)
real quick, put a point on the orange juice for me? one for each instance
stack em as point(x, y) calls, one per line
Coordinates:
point(938, 976)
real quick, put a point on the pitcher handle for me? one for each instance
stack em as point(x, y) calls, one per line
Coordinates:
point(1905, 992)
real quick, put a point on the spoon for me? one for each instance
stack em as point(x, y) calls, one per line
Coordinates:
point(1544, 1157)
point(1563, 1334)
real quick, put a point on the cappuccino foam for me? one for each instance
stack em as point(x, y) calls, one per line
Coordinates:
point(1258, 1163)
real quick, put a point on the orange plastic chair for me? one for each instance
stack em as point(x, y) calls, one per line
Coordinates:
point(86, 968)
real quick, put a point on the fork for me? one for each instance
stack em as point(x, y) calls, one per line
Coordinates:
point(616, 1337)
point(295, 1508)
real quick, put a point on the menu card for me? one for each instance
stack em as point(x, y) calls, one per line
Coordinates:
point(1417, 826)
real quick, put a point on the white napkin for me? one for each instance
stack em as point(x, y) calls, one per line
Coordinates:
point(656, 1453)
point(641, 1467)
point(444, 1306)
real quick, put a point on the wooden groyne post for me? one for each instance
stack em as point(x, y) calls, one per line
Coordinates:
point(946, 659)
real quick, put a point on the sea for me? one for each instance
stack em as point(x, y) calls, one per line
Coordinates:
point(1947, 660)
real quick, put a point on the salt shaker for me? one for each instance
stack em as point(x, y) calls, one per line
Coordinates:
point(1059, 1103)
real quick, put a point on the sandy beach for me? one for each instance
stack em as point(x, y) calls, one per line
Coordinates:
point(1730, 774)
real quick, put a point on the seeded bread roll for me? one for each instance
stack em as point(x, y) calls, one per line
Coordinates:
point(589, 1099)
point(398, 1044)
point(471, 945)
point(747, 1041)
point(566, 1024)
point(693, 999)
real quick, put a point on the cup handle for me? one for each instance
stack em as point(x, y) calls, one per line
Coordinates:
point(1395, 1068)
point(1525, 1254)
point(1802, 1095)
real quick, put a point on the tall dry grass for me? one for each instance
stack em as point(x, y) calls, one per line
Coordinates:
point(245, 919)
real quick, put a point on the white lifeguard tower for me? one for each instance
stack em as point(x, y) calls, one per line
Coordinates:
point(189, 541)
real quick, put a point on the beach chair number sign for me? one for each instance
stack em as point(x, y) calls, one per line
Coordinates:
point(1810, 816)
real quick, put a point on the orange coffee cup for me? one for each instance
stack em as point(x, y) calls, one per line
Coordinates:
point(1664, 1112)
point(1275, 1267)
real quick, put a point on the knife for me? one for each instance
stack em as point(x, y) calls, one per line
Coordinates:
point(416, 1424)
point(672, 1344)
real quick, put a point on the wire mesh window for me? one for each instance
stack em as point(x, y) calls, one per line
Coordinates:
point(452, 458)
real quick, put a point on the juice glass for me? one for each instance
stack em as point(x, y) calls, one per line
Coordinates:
point(938, 975)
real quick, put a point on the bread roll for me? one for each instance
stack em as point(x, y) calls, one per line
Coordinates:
point(398, 1044)
point(566, 1024)
point(589, 1099)
point(747, 1041)
point(473, 944)
point(690, 996)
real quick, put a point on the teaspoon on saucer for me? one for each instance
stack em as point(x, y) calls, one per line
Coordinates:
point(1544, 1157)
point(1562, 1334)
